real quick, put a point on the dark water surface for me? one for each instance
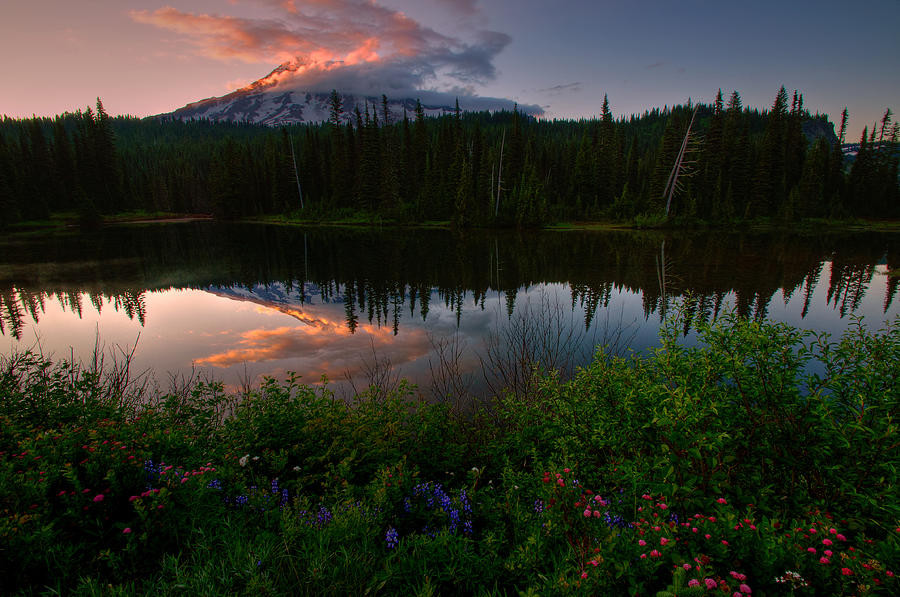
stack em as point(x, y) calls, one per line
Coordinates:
point(232, 301)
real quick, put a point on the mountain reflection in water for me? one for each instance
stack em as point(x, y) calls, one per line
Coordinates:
point(337, 302)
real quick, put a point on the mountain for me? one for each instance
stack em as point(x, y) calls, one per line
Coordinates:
point(278, 98)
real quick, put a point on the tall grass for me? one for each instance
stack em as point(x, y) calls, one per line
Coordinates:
point(763, 458)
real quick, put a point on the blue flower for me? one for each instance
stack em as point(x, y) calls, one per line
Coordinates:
point(391, 538)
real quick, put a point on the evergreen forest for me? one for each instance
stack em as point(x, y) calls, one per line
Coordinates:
point(465, 168)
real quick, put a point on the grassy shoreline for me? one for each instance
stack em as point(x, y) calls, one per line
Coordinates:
point(722, 464)
point(68, 221)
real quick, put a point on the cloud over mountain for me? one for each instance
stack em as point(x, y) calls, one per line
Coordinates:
point(357, 46)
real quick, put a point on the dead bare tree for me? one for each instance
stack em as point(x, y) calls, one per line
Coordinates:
point(681, 167)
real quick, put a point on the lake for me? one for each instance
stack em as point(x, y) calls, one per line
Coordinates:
point(235, 302)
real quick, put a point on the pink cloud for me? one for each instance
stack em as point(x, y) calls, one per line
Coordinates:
point(356, 45)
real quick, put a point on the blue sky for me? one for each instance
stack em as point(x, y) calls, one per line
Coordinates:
point(147, 56)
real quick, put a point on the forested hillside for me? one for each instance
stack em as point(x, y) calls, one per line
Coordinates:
point(473, 169)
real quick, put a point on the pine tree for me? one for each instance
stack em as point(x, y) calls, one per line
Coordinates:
point(769, 185)
point(336, 109)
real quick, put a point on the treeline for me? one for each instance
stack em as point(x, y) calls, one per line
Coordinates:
point(474, 169)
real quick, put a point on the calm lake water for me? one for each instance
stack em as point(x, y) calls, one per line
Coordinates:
point(233, 302)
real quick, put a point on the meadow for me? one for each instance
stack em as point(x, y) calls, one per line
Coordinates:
point(760, 461)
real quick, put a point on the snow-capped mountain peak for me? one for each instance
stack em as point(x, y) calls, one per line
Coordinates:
point(279, 99)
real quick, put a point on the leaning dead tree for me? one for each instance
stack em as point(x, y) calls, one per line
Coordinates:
point(499, 177)
point(296, 172)
point(682, 165)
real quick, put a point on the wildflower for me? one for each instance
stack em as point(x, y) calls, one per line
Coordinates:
point(126, 530)
point(655, 553)
point(98, 497)
point(584, 575)
point(722, 501)
point(686, 566)
point(846, 572)
point(587, 513)
point(710, 584)
point(597, 514)
point(391, 538)
point(828, 552)
point(840, 537)
point(643, 556)
point(724, 542)
point(745, 589)
point(244, 459)
point(693, 583)
point(738, 576)
point(824, 560)
point(707, 536)
point(663, 507)
point(642, 543)
point(811, 549)
point(663, 541)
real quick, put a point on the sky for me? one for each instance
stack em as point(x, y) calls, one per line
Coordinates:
point(145, 57)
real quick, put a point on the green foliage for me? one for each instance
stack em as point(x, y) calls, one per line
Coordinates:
point(753, 164)
point(759, 459)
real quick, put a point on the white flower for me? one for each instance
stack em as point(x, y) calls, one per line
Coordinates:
point(243, 460)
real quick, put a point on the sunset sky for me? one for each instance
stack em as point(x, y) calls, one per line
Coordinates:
point(145, 57)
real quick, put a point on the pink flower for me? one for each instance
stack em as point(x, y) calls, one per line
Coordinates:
point(126, 530)
point(745, 589)
point(813, 530)
point(98, 497)
point(752, 527)
point(824, 560)
point(584, 575)
point(736, 594)
point(826, 541)
point(655, 554)
point(646, 497)
point(710, 584)
point(724, 542)
point(707, 536)
point(828, 552)
point(686, 566)
point(663, 507)
point(712, 518)
point(846, 572)
point(597, 514)
point(693, 529)
point(560, 482)
point(642, 543)
point(587, 513)
point(643, 556)
point(663, 541)
point(693, 583)
point(811, 549)
point(722, 501)
point(840, 537)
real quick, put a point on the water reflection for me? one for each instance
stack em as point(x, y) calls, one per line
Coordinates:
point(321, 302)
